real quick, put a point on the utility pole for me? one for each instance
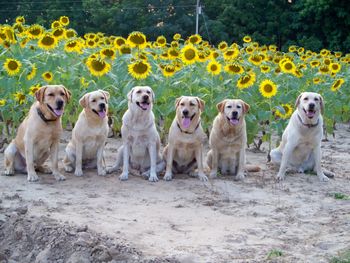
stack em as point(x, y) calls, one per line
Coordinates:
point(198, 12)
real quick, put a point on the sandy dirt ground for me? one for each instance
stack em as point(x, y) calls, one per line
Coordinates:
point(101, 219)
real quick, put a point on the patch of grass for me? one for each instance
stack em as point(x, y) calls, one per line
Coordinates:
point(274, 253)
point(343, 257)
point(340, 196)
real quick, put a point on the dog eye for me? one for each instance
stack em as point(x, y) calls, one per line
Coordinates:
point(182, 104)
point(148, 92)
point(102, 98)
point(229, 107)
point(51, 94)
point(192, 104)
point(93, 100)
point(316, 99)
point(138, 92)
point(239, 106)
point(62, 94)
point(306, 98)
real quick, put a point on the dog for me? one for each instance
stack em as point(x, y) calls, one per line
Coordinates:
point(89, 135)
point(300, 148)
point(184, 151)
point(228, 139)
point(141, 141)
point(38, 135)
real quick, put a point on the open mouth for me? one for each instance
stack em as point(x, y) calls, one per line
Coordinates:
point(101, 113)
point(57, 112)
point(186, 121)
point(233, 120)
point(143, 105)
point(310, 113)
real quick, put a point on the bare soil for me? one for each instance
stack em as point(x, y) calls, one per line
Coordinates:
point(101, 219)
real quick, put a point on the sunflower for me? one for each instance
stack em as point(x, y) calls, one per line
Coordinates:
point(337, 84)
point(108, 53)
point(35, 31)
point(59, 33)
point(300, 50)
point(255, 59)
point(314, 63)
point(249, 49)
point(70, 33)
point(64, 20)
point(47, 76)
point(125, 49)
point(47, 42)
point(34, 89)
point(231, 53)
point(56, 24)
point(202, 56)
point(2, 102)
point(195, 39)
point(161, 41)
point(73, 46)
point(173, 53)
point(214, 54)
point(32, 73)
point(168, 70)
point(247, 80)
point(273, 48)
point(247, 39)
point(137, 39)
point(267, 88)
point(174, 44)
point(20, 97)
point(20, 20)
point(139, 69)
point(288, 110)
point(177, 36)
point(265, 68)
point(338, 54)
point(189, 54)
point(324, 69)
point(222, 45)
point(97, 66)
point(287, 66)
point(316, 80)
point(292, 48)
point(335, 67)
point(234, 68)
point(324, 52)
point(12, 66)
point(90, 43)
point(214, 68)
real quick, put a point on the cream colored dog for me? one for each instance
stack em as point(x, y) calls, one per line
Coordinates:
point(38, 135)
point(300, 149)
point(228, 139)
point(89, 135)
point(141, 141)
point(184, 151)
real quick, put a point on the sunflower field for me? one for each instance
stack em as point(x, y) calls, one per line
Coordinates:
point(267, 79)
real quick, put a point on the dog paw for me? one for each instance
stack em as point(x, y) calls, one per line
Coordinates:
point(146, 175)
point(123, 177)
point(240, 176)
point(153, 178)
point(202, 177)
point(101, 172)
point(78, 173)
point(32, 177)
point(44, 170)
point(9, 172)
point(280, 177)
point(323, 178)
point(59, 177)
point(329, 174)
point(110, 170)
point(168, 177)
point(68, 169)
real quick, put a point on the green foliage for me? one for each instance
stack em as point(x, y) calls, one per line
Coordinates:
point(343, 257)
point(274, 253)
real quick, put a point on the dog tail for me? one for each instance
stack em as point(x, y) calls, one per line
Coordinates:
point(252, 168)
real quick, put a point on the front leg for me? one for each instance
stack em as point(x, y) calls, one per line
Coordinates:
point(199, 158)
point(241, 164)
point(54, 161)
point(29, 152)
point(78, 158)
point(125, 174)
point(214, 162)
point(286, 155)
point(169, 163)
point(153, 158)
point(101, 169)
point(317, 167)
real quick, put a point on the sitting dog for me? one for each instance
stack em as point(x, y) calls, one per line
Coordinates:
point(89, 135)
point(300, 148)
point(228, 139)
point(184, 151)
point(38, 135)
point(141, 141)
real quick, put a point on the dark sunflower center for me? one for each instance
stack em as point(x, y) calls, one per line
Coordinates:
point(35, 31)
point(48, 41)
point(98, 65)
point(72, 44)
point(120, 41)
point(214, 67)
point(268, 88)
point(125, 50)
point(58, 32)
point(173, 53)
point(108, 52)
point(245, 80)
point(190, 54)
point(13, 65)
point(137, 39)
point(140, 68)
point(288, 66)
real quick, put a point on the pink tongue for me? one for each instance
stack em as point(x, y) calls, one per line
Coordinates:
point(186, 122)
point(234, 121)
point(145, 106)
point(310, 113)
point(58, 112)
point(102, 114)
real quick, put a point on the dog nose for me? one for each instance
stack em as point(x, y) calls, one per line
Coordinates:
point(234, 113)
point(185, 112)
point(311, 106)
point(102, 106)
point(145, 97)
point(59, 104)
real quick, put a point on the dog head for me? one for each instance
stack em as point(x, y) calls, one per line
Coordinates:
point(96, 102)
point(310, 105)
point(141, 98)
point(233, 110)
point(188, 110)
point(54, 97)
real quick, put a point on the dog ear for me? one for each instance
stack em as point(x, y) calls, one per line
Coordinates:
point(130, 95)
point(84, 101)
point(321, 104)
point(297, 102)
point(67, 93)
point(39, 94)
point(177, 101)
point(201, 104)
point(221, 106)
point(246, 106)
point(105, 94)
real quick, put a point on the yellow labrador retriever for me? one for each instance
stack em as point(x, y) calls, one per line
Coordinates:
point(228, 139)
point(300, 148)
point(184, 151)
point(38, 135)
point(141, 141)
point(89, 135)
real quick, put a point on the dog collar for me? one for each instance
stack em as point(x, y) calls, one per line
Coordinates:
point(42, 116)
point(308, 125)
point(178, 125)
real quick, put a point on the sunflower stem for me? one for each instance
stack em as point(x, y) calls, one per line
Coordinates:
point(270, 129)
